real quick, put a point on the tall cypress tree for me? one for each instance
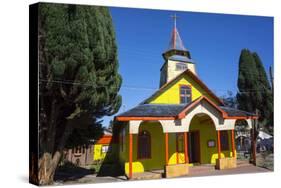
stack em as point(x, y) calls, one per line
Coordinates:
point(79, 79)
point(254, 88)
point(266, 107)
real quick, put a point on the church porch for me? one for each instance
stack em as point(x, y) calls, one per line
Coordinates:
point(195, 136)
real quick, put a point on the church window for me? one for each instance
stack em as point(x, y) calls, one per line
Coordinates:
point(181, 66)
point(144, 145)
point(185, 94)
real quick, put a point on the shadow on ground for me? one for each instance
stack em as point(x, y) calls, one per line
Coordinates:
point(70, 172)
point(110, 169)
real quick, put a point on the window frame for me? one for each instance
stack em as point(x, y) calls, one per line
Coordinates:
point(182, 95)
point(181, 66)
point(140, 151)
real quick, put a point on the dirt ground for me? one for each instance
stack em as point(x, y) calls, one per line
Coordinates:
point(249, 168)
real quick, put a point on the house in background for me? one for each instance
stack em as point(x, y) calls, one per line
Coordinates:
point(183, 123)
point(96, 151)
point(104, 147)
point(80, 155)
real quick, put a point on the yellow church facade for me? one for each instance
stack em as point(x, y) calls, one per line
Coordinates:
point(182, 124)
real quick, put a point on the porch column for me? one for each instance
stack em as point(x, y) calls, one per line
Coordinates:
point(233, 143)
point(130, 156)
point(219, 143)
point(186, 147)
point(167, 148)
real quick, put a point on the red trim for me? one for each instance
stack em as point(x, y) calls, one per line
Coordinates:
point(124, 118)
point(186, 147)
point(233, 143)
point(181, 115)
point(193, 76)
point(241, 117)
point(167, 148)
point(219, 144)
point(130, 156)
point(181, 85)
point(106, 139)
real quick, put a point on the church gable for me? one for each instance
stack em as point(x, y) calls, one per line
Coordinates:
point(170, 92)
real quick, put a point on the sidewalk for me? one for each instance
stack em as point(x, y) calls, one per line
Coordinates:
point(242, 168)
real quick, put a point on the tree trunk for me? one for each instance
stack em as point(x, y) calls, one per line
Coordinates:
point(48, 163)
point(47, 168)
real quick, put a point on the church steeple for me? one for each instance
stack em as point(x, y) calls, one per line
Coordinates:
point(176, 42)
point(177, 57)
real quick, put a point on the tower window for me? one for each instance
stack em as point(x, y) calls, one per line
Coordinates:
point(181, 66)
point(185, 94)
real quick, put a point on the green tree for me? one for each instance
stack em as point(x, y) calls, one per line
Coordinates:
point(254, 89)
point(79, 79)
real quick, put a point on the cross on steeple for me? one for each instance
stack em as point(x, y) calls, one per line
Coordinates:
point(176, 42)
point(174, 17)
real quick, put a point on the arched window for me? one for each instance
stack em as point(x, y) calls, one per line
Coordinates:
point(185, 94)
point(144, 145)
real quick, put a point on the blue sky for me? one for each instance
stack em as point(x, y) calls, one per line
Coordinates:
point(214, 41)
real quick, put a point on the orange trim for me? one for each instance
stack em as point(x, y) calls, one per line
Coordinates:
point(182, 113)
point(187, 71)
point(186, 147)
point(233, 143)
point(130, 156)
point(167, 148)
point(241, 117)
point(219, 144)
point(106, 139)
point(123, 118)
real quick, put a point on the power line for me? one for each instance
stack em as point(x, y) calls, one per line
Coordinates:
point(139, 88)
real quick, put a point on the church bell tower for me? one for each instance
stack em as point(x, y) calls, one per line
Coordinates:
point(177, 58)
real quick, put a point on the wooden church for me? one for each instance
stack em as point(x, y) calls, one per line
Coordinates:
point(182, 124)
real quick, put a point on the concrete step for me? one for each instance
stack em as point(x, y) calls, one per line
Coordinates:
point(148, 175)
point(201, 168)
point(243, 163)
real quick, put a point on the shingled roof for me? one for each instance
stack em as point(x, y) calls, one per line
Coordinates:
point(232, 112)
point(178, 111)
point(154, 110)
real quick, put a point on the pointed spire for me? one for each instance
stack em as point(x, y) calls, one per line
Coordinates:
point(176, 42)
